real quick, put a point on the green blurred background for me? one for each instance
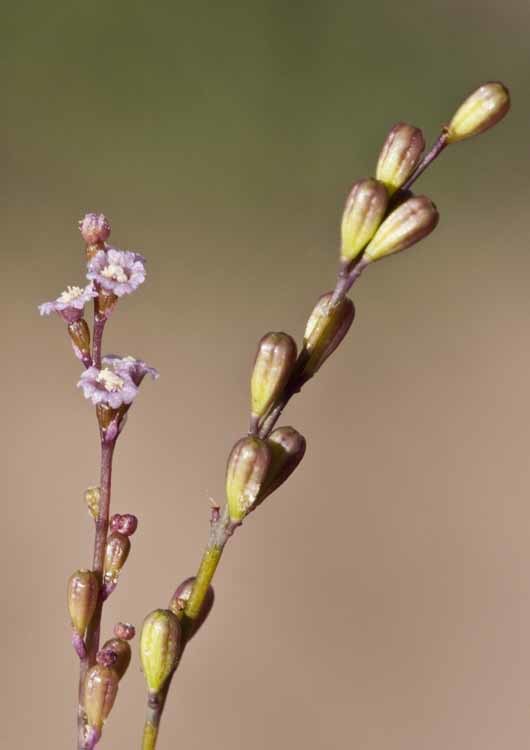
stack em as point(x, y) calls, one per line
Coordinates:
point(380, 600)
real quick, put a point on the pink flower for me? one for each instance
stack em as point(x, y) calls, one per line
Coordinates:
point(136, 369)
point(116, 271)
point(107, 387)
point(94, 228)
point(70, 303)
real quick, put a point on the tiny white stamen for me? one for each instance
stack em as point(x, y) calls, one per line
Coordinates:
point(110, 380)
point(70, 294)
point(115, 272)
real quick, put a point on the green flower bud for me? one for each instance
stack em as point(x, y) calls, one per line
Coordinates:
point(101, 686)
point(82, 597)
point(116, 554)
point(325, 329)
point(399, 156)
point(273, 365)
point(364, 211)
point(122, 649)
point(287, 449)
point(178, 603)
point(92, 495)
point(407, 224)
point(160, 647)
point(246, 470)
point(480, 111)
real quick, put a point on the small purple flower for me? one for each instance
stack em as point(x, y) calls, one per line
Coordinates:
point(70, 303)
point(94, 228)
point(118, 272)
point(107, 387)
point(136, 369)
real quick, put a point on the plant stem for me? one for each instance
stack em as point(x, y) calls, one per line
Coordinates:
point(155, 707)
point(430, 156)
point(207, 568)
point(99, 327)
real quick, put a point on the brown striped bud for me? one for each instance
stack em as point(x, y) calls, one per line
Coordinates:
point(178, 602)
point(327, 325)
point(116, 554)
point(480, 111)
point(92, 495)
point(82, 597)
point(273, 364)
point(409, 223)
point(399, 156)
point(101, 686)
point(287, 448)
point(364, 211)
point(160, 647)
point(246, 470)
point(79, 333)
point(122, 652)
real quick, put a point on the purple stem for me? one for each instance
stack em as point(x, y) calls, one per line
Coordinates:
point(436, 150)
point(99, 327)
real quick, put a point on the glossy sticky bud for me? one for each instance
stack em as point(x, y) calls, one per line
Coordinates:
point(101, 686)
point(122, 650)
point(246, 470)
point(178, 601)
point(409, 223)
point(399, 156)
point(160, 646)
point(82, 597)
point(116, 554)
point(479, 112)
point(273, 364)
point(365, 207)
point(327, 326)
point(287, 447)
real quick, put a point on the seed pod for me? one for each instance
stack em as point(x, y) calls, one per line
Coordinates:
point(273, 364)
point(160, 647)
point(101, 686)
point(125, 631)
point(399, 156)
point(178, 601)
point(116, 554)
point(480, 111)
point(364, 211)
point(246, 470)
point(82, 597)
point(122, 651)
point(327, 326)
point(287, 448)
point(410, 222)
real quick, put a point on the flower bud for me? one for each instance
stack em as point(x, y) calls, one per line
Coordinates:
point(407, 224)
point(287, 448)
point(122, 654)
point(92, 495)
point(399, 156)
point(116, 554)
point(364, 211)
point(480, 111)
point(178, 602)
point(125, 524)
point(273, 365)
point(327, 325)
point(82, 597)
point(125, 631)
point(160, 647)
point(246, 470)
point(80, 337)
point(101, 686)
point(106, 657)
point(94, 228)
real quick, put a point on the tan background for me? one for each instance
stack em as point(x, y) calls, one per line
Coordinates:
point(381, 599)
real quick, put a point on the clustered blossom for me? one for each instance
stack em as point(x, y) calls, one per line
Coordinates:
point(116, 271)
point(70, 303)
point(107, 387)
point(136, 369)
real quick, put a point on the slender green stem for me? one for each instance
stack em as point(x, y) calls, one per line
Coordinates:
point(208, 566)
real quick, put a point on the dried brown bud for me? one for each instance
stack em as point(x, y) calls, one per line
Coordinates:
point(479, 112)
point(327, 325)
point(122, 654)
point(116, 554)
point(409, 223)
point(399, 156)
point(273, 364)
point(124, 630)
point(160, 647)
point(178, 602)
point(364, 211)
point(246, 470)
point(82, 597)
point(287, 448)
point(101, 686)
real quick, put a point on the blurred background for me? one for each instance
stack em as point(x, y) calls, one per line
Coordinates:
point(380, 600)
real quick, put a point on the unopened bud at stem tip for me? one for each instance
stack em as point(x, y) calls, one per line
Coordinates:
point(479, 112)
